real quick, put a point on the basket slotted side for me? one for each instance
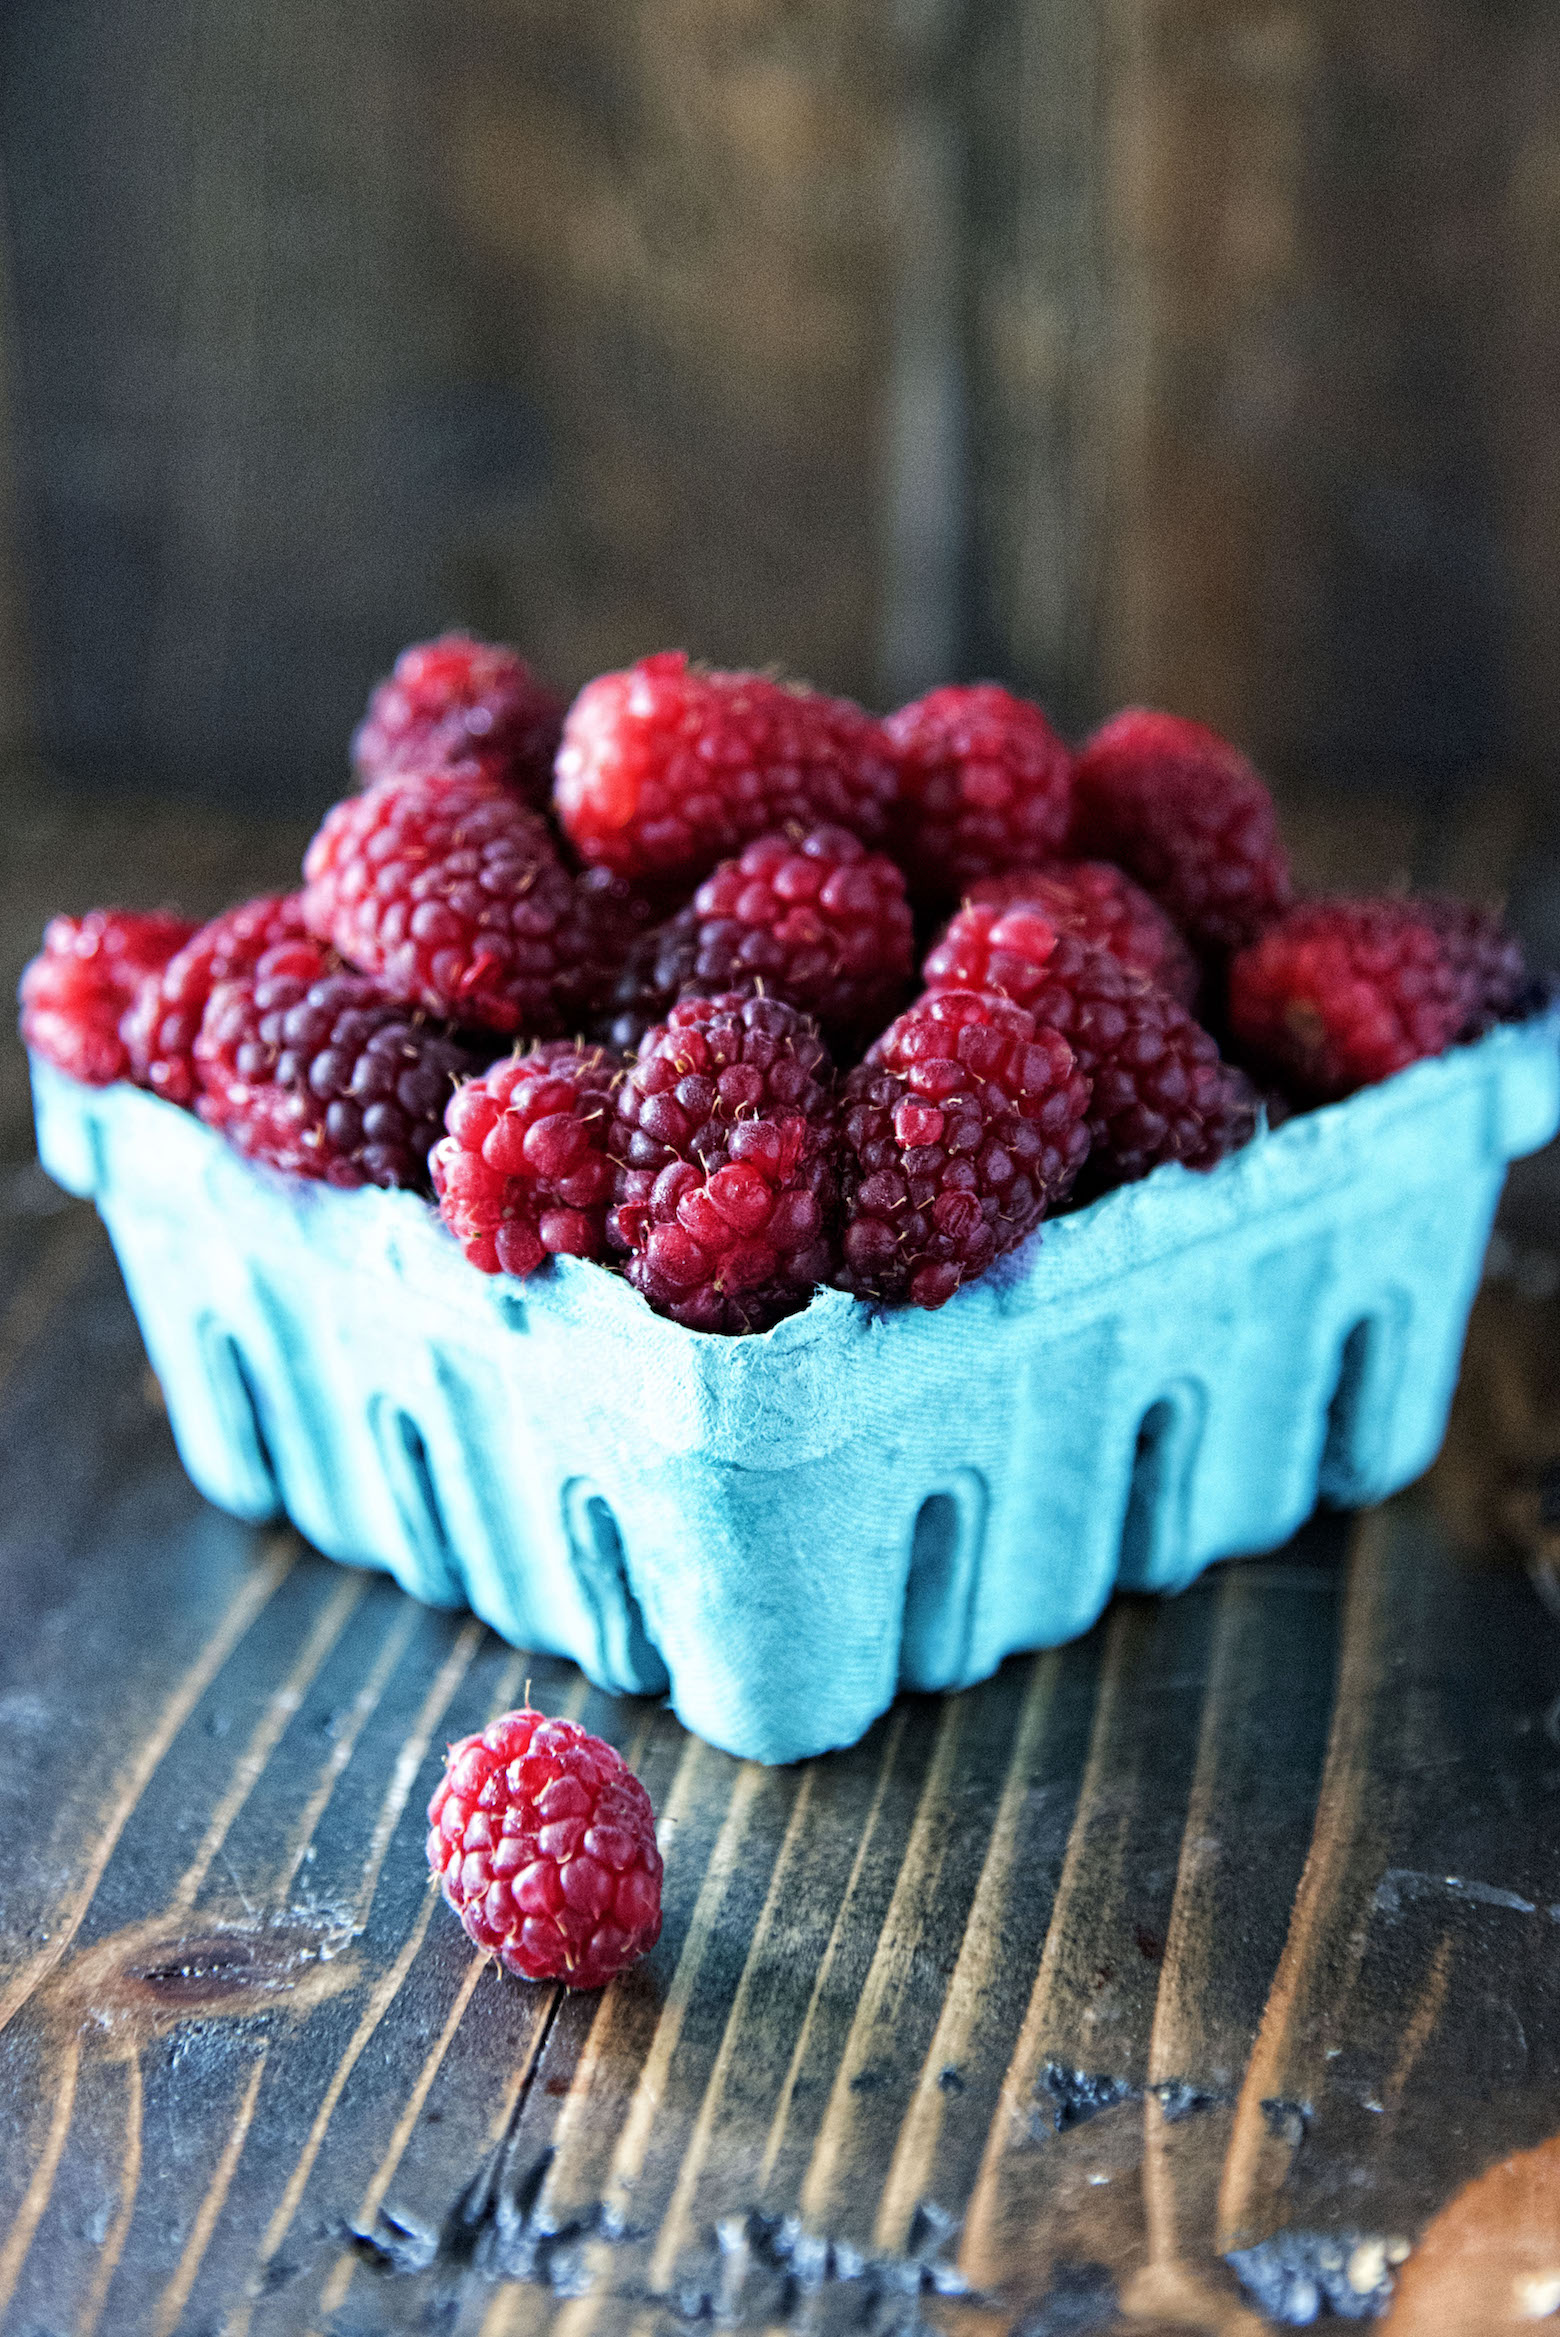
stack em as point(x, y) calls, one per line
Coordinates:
point(780, 1531)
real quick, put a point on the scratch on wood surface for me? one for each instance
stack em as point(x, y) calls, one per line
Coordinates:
point(410, 1759)
point(1171, 2285)
point(980, 2254)
point(891, 1969)
point(1420, 2024)
point(132, 1782)
point(349, 1728)
point(279, 1709)
point(675, 2231)
point(380, 1998)
point(984, 1942)
point(334, 2293)
point(36, 2197)
point(774, 2140)
point(129, 2185)
point(176, 2295)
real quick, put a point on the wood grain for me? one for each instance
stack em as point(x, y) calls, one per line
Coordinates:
point(1207, 354)
point(1152, 1984)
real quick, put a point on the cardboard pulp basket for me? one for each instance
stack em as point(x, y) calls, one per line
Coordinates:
point(780, 1531)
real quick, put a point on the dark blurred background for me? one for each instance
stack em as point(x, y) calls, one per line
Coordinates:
point(1202, 354)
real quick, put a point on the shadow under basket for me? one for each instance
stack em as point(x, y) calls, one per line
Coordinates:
point(781, 1531)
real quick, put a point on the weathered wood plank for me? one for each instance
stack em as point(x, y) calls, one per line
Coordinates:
point(258, 2082)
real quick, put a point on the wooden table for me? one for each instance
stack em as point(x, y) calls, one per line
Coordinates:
point(1201, 1975)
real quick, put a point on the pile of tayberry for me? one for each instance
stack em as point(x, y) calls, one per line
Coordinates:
point(636, 983)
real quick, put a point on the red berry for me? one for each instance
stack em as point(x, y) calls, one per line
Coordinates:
point(1160, 1091)
point(962, 1128)
point(79, 987)
point(985, 785)
point(1481, 949)
point(1101, 904)
point(161, 1027)
point(543, 1840)
point(811, 917)
point(526, 1172)
point(461, 702)
point(1341, 993)
point(1185, 813)
point(665, 769)
point(724, 1194)
point(450, 893)
point(318, 1073)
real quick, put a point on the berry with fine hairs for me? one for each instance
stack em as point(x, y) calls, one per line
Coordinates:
point(1490, 958)
point(1159, 1088)
point(1341, 993)
point(162, 1026)
point(526, 1172)
point(450, 893)
point(460, 703)
point(543, 1840)
point(1185, 813)
point(665, 769)
point(985, 784)
point(810, 916)
point(962, 1128)
point(725, 1194)
point(1100, 903)
point(315, 1071)
point(78, 989)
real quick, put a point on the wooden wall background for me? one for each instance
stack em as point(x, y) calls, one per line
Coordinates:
point(1199, 350)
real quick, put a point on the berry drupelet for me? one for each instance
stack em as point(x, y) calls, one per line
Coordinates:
point(456, 703)
point(1185, 813)
point(962, 1128)
point(1490, 959)
point(985, 784)
point(1341, 993)
point(162, 1026)
point(450, 893)
point(526, 1172)
point(77, 991)
point(1159, 1089)
point(725, 1192)
point(810, 916)
point(317, 1072)
point(1100, 903)
point(665, 769)
point(543, 1840)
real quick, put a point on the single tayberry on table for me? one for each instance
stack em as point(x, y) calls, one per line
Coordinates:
point(543, 1841)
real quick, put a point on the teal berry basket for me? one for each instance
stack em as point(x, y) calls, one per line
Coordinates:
point(780, 1532)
